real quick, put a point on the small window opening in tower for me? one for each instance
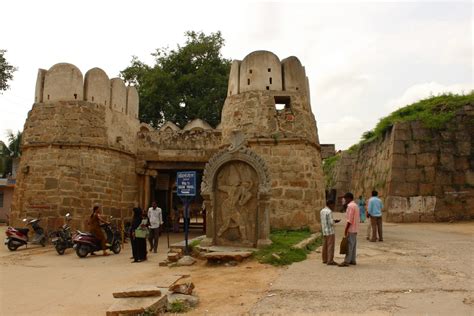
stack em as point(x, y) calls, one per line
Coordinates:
point(269, 69)
point(75, 96)
point(48, 96)
point(297, 88)
point(250, 71)
point(268, 88)
point(92, 99)
point(248, 82)
point(270, 80)
point(282, 103)
point(105, 103)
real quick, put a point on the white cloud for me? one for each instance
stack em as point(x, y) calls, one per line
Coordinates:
point(424, 90)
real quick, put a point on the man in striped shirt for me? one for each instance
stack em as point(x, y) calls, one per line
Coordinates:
point(327, 227)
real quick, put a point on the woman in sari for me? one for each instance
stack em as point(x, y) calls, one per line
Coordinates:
point(95, 221)
point(361, 204)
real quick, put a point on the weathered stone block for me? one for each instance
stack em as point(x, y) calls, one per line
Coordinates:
point(398, 175)
point(398, 147)
point(429, 174)
point(412, 147)
point(402, 134)
point(447, 161)
point(422, 134)
point(51, 183)
point(414, 175)
point(443, 178)
point(399, 161)
point(426, 189)
point(461, 163)
point(403, 189)
point(463, 148)
point(426, 159)
point(296, 194)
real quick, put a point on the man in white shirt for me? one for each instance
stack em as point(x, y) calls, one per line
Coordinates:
point(156, 219)
point(327, 228)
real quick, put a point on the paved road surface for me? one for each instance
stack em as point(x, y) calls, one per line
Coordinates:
point(419, 269)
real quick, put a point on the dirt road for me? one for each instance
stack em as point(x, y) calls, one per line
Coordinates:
point(37, 281)
point(420, 269)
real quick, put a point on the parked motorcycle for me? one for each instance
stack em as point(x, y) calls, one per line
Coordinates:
point(86, 243)
point(17, 237)
point(62, 238)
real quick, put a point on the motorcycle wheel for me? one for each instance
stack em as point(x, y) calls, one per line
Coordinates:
point(82, 251)
point(11, 245)
point(60, 250)
point(116, 247)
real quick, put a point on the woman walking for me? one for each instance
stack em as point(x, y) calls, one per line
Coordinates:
point(138, 231)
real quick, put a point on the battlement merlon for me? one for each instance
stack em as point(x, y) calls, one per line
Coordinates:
point(64, 82)
point(263, 70)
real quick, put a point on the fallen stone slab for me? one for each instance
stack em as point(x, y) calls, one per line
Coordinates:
point(227, 256)
point(189, 300)
point(305, 242)
point(165, 281)
point(137, 305)
point(138, 291)
point(226, 249)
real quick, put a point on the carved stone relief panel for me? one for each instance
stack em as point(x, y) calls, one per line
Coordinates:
point(236, 204)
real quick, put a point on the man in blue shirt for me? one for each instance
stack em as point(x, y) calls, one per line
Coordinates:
point(375, 212)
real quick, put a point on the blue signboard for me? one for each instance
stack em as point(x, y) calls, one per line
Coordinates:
point(186, 183)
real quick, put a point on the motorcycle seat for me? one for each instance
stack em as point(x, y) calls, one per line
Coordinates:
point(85, 234)
point(24, 231)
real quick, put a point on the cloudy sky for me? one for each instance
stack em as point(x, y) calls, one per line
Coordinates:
point(363, 59)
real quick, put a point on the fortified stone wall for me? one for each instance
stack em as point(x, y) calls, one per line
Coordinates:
point(422, 174)
point(297, 193)
point(196, 142)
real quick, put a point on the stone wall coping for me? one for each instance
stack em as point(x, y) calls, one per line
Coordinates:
point(270, 140)
point(69, 144)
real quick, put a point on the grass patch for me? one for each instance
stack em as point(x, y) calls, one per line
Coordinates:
point(193, 244)
point(280, 252)
point(433, 112)
point(178, 306)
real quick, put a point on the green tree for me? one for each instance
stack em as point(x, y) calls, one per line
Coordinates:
point(184, 83)
point(6, 71)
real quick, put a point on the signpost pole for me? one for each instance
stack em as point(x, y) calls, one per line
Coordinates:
point(186, 190)
point(186, 225)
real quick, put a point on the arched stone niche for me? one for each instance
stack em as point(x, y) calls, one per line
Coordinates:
point(118, 95)
point(236, 192)
point(63, 82)
point(97, 87)
point(260, 70)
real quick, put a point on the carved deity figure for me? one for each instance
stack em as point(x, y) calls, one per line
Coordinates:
point(233, 206)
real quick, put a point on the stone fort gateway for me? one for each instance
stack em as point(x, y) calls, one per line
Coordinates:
point(259, 168)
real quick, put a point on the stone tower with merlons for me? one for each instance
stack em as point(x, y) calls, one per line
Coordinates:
point(268, 114)
point(78, 147)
